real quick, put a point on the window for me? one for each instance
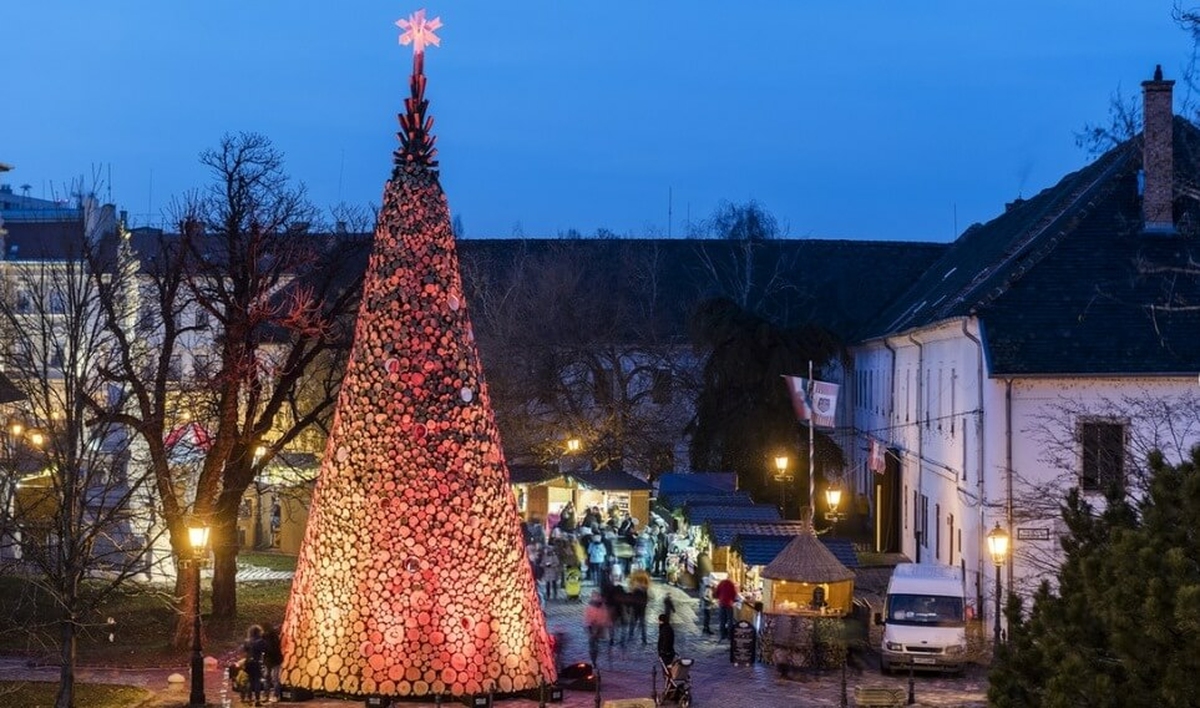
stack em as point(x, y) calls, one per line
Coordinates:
point(200, 320)
point(56, 357)
point(924, 521)
point(1103, 445)
point(24, 303)
point(950, 538)
point(175, 368)
point(660, 387)
point(58, 303)
point(201, 365)
point(937, 531)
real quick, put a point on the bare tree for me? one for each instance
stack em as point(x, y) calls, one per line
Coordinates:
point(249, 316)
point(84, 520)
point(1168, 424)
point(745, 266)
point(573, 351)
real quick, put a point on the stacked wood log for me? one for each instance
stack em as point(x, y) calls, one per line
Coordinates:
point(412, 579)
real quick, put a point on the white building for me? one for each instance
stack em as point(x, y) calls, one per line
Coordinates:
point(1050, 348)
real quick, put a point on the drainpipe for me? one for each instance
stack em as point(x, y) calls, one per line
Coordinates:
point(979, 452)
point(1008, 470)
point(891, 412)
point(920, 433)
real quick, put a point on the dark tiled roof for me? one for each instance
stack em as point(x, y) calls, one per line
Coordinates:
point(701, 515)
point(1058, 281)
point(682, 499)
point(43, 240)
point(696, 483)
point(802, 282)
point(726, 533)
point(609, 480)
point(761, 549)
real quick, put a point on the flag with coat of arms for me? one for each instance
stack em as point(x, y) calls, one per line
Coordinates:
point(815, 402)
point(876, 462)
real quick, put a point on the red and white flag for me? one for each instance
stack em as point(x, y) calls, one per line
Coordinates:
point(814, 401)
point(876, 462)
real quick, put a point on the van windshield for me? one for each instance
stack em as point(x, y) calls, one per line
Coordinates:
point(925, 610)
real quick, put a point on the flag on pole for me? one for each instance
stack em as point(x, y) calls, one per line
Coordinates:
point(876, 462)
point(815, 402)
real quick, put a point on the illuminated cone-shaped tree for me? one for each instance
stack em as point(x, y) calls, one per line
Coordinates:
point(412, 579)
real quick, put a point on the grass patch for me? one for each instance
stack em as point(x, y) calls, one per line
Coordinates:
point(36, 694)
point(271, 561)
point(145, 619)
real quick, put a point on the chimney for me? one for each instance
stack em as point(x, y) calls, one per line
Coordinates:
point(1158, 163)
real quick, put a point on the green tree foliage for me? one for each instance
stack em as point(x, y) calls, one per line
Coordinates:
point(1123, 626)
point(743, 413)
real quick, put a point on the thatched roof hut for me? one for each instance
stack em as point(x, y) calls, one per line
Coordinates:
point(806, 578)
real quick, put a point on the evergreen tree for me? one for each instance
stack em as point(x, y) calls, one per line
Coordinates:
point(1120, 628)
point(743, 413)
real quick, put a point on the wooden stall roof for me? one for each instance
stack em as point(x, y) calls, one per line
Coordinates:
point(724, 533)
point(679, 500)
point(806, 560)
point(531, 474)
point(704, 482)
point(608, 481)
point(700, 515)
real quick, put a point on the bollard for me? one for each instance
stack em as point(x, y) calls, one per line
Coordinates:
point(437, 699)
point(597, 688)
point(912, 694)
point(542, 694)
point(845, 699)
point(654, 684)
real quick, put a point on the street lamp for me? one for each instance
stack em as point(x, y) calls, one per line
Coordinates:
point(782, 476)
point(198, 538)
point(833, 497)
point(997, 540)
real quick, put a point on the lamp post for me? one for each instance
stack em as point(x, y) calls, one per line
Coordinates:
point(198, 538)
point(833, 498)
point(782, 476)
point(997, 540)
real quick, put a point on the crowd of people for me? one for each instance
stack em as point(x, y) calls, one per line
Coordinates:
point(600, 549)
point(618, 561)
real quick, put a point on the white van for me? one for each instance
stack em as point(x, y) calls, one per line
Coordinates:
point(924, 623)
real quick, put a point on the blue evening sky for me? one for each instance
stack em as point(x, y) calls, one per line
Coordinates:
point(866, 120)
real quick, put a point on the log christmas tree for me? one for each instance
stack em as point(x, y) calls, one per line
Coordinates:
point(412, 578)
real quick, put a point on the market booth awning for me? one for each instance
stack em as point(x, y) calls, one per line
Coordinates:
point(807, 578)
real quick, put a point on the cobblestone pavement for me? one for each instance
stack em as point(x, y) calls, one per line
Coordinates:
point(625, 670)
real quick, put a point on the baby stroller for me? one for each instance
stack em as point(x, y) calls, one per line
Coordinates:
point(677, 687)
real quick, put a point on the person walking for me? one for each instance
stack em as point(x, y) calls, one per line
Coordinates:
point(726, 594)
point(666, 640)
point(596, 621)
point(254, 648)
point(597, 558)
point(272, 663)
point(550, 571)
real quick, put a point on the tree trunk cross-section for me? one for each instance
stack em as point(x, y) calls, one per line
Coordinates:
point(412, 579)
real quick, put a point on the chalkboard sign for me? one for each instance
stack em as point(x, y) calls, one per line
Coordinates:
point(743, 644)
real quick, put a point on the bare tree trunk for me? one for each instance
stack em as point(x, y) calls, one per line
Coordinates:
point(225, 564)
point(185, 596)
point(66, 674)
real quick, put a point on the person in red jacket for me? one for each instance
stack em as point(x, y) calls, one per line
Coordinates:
point(726, 594)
